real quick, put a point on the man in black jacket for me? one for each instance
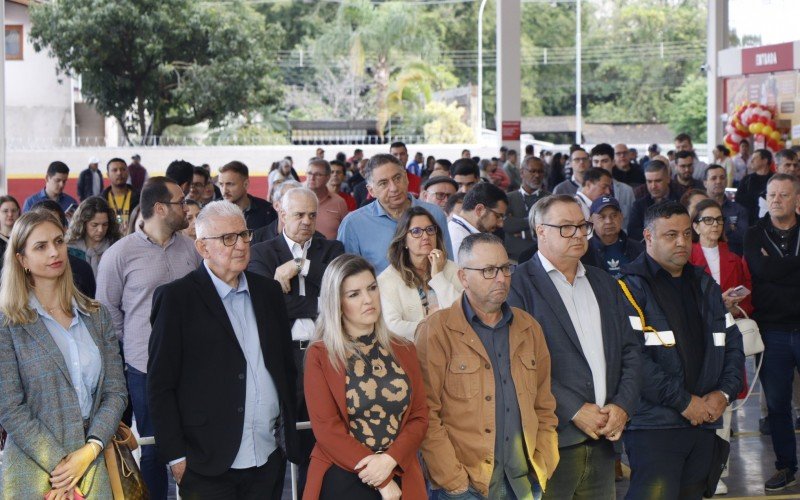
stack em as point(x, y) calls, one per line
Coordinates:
point(753, 185)
point(659, 189)
point(221, 385)
point(772, 252)
point(90, 180)
point(297, 259)
point(692, 361)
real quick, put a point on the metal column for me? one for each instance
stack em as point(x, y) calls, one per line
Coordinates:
point(509, 112)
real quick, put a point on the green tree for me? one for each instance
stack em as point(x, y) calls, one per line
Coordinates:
point(155, 63)
point(687, 111)
point(446, 125)
point(378, 40)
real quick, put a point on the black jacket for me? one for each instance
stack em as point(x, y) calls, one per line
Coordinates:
point(640, 206)
point(776, 279)
point(196, 379)
point(260, 213)
point(267, 256)
point(85, 183)
point(751, 187)
point(663, 395)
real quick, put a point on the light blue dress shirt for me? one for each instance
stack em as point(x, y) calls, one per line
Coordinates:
point(261, 408)
point(80, 352)
point(369, 230)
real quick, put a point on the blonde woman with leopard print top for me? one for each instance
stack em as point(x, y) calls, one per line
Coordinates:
point(364, 393)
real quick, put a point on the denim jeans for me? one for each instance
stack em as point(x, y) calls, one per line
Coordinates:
point(154, 471)
point(781, 360)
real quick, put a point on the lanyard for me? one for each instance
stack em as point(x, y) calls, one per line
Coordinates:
point(456, 221)
point(118, 210)
point(639, 311)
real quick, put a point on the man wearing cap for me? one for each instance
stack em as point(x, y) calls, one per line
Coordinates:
point(90, 181)
point(610, 248)
point(437, 190)
point(137, 174)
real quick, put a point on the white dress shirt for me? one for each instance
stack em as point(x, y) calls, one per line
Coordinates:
point(303, 328)
point(584, 312)
point(459, 228)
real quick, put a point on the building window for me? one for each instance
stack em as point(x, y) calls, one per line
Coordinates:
point(14, 42)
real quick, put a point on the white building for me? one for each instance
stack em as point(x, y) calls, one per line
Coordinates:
point(40, 112)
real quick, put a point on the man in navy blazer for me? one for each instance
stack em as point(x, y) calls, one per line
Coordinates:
point(596, 360)
point(297, 259)
point(220, 380)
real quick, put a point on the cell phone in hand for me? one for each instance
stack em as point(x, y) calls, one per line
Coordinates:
point(740, 291)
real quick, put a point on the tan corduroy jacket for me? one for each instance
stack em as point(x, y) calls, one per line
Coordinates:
point(459, 446)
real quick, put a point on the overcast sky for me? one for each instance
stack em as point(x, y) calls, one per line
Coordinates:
point(777, 21)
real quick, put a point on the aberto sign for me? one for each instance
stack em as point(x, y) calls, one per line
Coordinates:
point(768, 58)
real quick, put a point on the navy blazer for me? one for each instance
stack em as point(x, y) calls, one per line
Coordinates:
point(533, 290)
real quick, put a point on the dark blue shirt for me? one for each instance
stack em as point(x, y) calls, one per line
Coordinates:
point(64, 200)
point(509, 445)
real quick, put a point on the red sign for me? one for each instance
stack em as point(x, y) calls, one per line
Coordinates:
point(768, 58)
point(511, 131)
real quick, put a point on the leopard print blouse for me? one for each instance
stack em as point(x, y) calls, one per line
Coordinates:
point(378, 395)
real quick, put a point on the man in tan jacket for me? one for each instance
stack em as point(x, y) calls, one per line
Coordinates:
point(492, 424)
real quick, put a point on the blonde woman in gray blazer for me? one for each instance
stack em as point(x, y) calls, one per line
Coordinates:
point(62, 391)
point(420, 279)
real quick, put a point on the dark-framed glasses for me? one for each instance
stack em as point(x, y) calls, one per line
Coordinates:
point(229, 239)
point(490, 272)
point(570, 230)
point(709, 221)
point(416, 232)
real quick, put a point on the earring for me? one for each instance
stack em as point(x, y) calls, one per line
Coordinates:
point(27, 271)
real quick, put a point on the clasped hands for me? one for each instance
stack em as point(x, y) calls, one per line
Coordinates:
point(596, 422)
point(706, 409)
point(373, 471)
point(70, 470)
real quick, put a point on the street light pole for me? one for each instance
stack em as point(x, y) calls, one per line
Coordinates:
point(479, 128)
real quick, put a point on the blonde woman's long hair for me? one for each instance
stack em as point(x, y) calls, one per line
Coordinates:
point(16, 284)
point(329, 328)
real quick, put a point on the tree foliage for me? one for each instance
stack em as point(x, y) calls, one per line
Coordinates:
point(687, 111)
point(156, 63)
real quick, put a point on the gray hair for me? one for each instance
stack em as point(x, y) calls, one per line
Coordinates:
point(465, 251)
point(786, 177)
point(281, 188)
point(541, 208)
point(215, 210)
point(298, 192)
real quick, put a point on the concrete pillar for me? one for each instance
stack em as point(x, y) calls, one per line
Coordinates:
point(509, 109)
point(717, 40)
point(3, 165)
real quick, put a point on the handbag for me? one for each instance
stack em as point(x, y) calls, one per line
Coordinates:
point(124, 474)
point(751, 336)
point(719, 460)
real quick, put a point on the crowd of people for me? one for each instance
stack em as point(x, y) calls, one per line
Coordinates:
point(478, 328)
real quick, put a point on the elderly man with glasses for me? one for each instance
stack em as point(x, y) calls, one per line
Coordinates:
point(486, 367)
point(596, 359)
point(221, 381)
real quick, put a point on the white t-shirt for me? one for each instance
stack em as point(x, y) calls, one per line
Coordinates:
point(712, 257)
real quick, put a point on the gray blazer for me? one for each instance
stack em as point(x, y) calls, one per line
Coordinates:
point(39, 407)
point(533, 291)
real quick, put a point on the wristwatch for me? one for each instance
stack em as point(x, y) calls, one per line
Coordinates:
point(299, 262)
point(727, 398)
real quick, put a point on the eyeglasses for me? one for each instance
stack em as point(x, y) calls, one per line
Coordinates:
point(199, 185)
point(709, 221)
point(570, 230)
point(316, 174)
point(490, 272)
point(441, 196)
point(181, 202)
point(498, 214)
point(416, 232)
point(229, 239)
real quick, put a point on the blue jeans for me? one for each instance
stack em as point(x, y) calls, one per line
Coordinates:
point(154, 471)
point(781, 358)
